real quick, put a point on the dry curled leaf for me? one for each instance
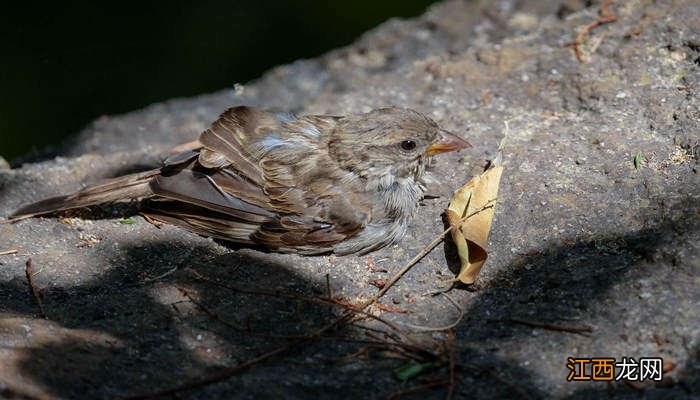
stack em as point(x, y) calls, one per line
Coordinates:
point(470, 213)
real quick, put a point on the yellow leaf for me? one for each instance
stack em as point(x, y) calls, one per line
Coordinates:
point(471, 234)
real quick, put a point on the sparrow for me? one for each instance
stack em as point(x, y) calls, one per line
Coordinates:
point(313, 184)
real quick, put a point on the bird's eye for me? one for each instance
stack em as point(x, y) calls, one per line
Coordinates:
point(408, 145)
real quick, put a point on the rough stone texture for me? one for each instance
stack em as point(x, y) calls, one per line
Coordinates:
point(581, 237)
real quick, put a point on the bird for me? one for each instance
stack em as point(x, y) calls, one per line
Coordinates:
point(314, 184)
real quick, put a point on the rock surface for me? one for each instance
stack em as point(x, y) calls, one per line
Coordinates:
point(581, 236)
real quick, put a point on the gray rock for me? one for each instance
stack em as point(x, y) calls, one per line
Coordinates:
point(580, 238)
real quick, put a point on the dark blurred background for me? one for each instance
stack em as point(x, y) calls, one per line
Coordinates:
point(66, 63)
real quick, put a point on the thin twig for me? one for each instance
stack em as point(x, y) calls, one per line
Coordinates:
point(216, 377)
point(347, 316)
point(376, 343)
point(229, 372)
point(10, 251)
point(409, 342)
point(426, 250)
point(545, 325)
point(211, 313)
point(161, 276)
point(379, 306)
point(353, 309)
point(151, 220)
point(208, 311)
point(606, 16)
point(17, 219)
point(391, 309)
point(362, 351)
point(421, 328)
point(33, 290)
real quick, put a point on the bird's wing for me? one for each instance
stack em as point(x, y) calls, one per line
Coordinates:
point(260, 178)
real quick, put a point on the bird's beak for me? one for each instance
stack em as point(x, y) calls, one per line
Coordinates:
point(448, 142)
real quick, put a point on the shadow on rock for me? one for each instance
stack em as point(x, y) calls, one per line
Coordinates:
point(135, 337)
point(129, 335)
point(571, 286)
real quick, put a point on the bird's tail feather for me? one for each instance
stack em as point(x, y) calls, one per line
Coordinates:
point(124, 187)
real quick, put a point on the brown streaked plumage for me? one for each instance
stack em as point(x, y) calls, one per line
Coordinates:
point(311, 184)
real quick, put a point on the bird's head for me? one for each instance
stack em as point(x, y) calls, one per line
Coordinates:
point(388, 144)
